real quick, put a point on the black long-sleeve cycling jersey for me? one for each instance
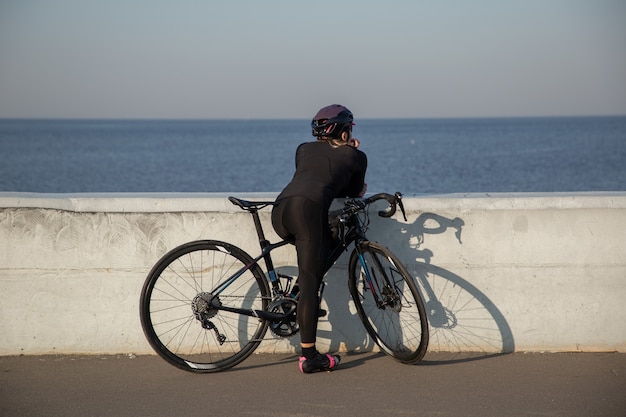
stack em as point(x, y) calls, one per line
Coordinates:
point(324, 172)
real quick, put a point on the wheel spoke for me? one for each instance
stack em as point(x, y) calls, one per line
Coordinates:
point(182, 318)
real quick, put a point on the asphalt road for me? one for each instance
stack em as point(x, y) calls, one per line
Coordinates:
point(365, 385)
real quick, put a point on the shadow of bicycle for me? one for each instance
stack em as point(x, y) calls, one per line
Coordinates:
point(461, 317)
point(464, 323)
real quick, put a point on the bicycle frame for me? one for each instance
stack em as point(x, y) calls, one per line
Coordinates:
point(354, 234)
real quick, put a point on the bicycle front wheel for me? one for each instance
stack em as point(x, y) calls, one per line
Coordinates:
point(183, 304)
point(388, 302)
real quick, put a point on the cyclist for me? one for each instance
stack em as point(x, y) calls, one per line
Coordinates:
point(327, 168)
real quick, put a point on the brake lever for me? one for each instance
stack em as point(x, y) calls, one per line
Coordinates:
point(398, 198)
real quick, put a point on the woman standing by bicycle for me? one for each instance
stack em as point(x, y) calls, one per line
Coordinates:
point(329, 168)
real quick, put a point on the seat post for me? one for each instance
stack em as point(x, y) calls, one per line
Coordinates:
point(259, 228)
point(264, 245)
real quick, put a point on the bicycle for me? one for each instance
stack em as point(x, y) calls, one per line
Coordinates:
point(206, 305)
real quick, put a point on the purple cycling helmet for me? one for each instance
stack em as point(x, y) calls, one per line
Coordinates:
point(331, 121)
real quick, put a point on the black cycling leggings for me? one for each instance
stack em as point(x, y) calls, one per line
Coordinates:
point(307, 222)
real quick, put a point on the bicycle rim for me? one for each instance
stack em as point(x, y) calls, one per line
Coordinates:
point(178, 301)
point(388, 303)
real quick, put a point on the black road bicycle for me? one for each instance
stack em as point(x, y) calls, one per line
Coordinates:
point(206, 305)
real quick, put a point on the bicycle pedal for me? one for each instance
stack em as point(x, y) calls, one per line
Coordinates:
point(322, 313)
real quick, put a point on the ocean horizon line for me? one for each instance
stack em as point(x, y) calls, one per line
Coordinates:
point(269, 119)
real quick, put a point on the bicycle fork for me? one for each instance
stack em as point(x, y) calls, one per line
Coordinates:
point(385, 296)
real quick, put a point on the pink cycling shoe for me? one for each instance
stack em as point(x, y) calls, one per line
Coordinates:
point(320, 362)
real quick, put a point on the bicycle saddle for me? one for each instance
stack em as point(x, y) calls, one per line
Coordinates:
point(250, 205)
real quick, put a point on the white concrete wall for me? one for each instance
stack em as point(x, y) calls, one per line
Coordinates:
point(518, 272)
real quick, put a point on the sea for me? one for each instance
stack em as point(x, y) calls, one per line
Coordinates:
point(413, 156)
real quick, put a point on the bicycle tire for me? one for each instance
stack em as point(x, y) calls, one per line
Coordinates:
point(179, 282)
point(398, 324)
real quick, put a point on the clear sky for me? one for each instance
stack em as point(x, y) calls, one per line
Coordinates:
point(285, 59)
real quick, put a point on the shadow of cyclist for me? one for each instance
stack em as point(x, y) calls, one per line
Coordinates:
point(346, 330)
point(340, 329)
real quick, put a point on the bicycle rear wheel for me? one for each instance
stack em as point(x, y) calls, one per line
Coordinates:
point(388, 302)
point(181, 311)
